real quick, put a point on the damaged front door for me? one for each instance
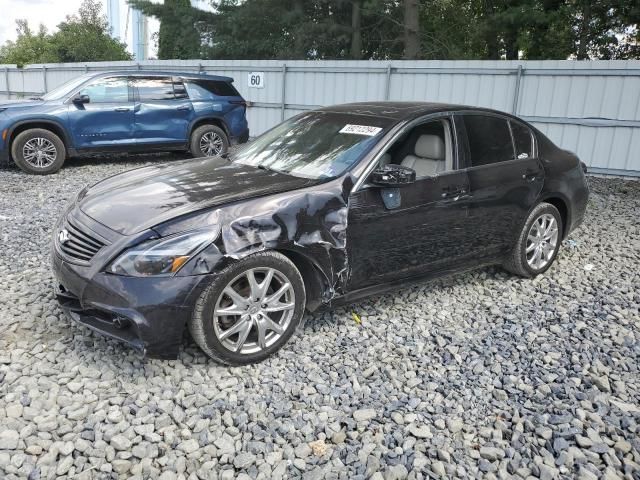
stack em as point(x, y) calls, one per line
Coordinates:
point(426, 231)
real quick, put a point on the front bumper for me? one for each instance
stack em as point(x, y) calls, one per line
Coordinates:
point(147, 313)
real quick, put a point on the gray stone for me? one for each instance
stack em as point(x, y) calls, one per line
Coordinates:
point(244, 460)
point(9, 439)
point(120, 442)
point(364, 415)
point(396, 472)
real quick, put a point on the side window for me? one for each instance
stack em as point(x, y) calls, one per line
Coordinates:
point(489, 139)
point(209, 89)
point(154, 88)
point(107, 90)
point(523, 140)
point(427, 148)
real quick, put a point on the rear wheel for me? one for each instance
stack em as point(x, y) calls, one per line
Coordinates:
point(538, 243)
point(250, 310)
point(38, 151)
point(208, 141)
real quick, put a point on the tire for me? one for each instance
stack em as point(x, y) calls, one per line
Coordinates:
point(208, 326)
point(25, 148)
point(521, 262)
point(199, 138)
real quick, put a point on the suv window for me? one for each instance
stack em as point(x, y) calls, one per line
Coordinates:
point(489, 139)
point(154, 88)
point(107, 90)
point(522, 139)
point(207, 89)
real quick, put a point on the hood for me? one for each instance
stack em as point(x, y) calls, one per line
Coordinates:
point(133, 201)
point(6, 104)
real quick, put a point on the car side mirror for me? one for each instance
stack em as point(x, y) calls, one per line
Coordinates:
point(392, 176)
point(81, 99)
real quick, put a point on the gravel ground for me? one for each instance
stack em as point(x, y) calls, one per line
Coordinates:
point(479, 375)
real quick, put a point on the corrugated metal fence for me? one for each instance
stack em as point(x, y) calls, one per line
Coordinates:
point(591, 108)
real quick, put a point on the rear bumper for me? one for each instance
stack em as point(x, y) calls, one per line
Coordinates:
point(4, 155)
point(242, 138)
point(148, 314)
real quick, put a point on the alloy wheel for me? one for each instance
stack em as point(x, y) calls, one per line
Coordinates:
point(542, 241)
point(254, 310)
point(39, 152)
point(211, 144)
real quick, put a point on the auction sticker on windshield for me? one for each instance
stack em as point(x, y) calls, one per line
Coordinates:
point(361, 130)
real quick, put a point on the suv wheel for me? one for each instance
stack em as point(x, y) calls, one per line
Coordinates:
point(250, 310)
point(538, 243)
point(38, 151)
point(208, 141)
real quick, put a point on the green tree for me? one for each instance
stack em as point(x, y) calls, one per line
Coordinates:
point(86, 37)
point(29, 47)
point(179, 36)
point(80, 38)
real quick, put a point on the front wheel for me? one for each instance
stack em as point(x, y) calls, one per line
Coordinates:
point(538, 242)
point(250, 310)
point(38, 151)
point(208, 141)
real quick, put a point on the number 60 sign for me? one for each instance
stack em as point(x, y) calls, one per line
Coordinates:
point(256, 80)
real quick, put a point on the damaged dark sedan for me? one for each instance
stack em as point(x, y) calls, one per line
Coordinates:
point(326, 208)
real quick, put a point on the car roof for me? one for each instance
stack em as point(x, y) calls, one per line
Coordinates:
point(153, 73)
point(402, 110)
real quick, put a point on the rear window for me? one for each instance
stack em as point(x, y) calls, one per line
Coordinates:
point(489, 139)
point(207, 89)
point(522, 139)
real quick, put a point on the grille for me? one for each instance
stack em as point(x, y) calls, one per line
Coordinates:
point(79, 245)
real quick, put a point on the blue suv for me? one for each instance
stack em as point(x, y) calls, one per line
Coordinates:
point(123, 112)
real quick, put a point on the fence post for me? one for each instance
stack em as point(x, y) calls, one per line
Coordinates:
point(86, 68)
point(6, 81)
point(283, 91)
point(387, 86)
point(44, 78)
point(199, 68)
point(516, 90)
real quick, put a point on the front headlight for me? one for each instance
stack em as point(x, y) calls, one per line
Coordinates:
point(163, 256)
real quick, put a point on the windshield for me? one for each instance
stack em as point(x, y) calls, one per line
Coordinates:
point(317, 145)
point(66, 88)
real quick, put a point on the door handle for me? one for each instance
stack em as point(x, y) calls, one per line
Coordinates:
point(184, 107)
point(122, 109)
point(531, 175)
point(456, 193)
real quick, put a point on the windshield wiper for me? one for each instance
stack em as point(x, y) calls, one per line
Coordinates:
point(36, 98)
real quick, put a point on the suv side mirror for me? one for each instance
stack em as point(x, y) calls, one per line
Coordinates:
point(81, 99)
point(393, 175)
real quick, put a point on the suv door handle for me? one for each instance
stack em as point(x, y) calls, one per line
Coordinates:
point(184, 107)
point(122, 109)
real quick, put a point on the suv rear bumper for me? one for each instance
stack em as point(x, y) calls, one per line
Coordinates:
point(4, 155)
point(242, 138)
